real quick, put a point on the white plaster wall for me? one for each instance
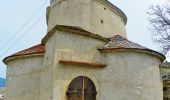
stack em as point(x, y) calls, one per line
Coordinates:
point(88, 15)
point(23, 78)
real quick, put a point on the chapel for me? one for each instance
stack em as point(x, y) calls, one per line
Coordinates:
point(85, 55)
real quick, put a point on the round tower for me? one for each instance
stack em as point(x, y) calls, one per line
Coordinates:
point(96, 16)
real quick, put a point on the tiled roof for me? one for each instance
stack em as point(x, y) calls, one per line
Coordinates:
point(37, 49)
point(118, 41)
point(33, 50)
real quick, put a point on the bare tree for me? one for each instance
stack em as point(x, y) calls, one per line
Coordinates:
point(159, 18)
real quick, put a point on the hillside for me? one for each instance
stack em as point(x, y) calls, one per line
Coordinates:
point(2, 82)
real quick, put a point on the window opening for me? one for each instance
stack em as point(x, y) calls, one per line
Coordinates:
point(81, 88)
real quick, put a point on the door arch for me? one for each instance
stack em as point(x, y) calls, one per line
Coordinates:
point(81, 88)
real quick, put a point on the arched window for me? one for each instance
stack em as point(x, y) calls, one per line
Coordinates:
point(81, 88)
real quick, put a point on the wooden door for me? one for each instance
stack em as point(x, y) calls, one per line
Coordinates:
point(81, 88)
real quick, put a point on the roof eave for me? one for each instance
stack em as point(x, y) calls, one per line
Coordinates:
point(145, 51)
point(72, 29)
point(10, 58)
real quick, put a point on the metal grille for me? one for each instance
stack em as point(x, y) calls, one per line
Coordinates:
point(81, 88)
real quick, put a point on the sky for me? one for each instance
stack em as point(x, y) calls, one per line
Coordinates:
point(23, 24)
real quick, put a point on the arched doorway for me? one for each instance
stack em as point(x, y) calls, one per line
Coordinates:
point(81, 88)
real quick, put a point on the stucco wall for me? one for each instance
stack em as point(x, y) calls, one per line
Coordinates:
point(23, 78)
point(128, 75)
point(122, 79)
point(134, 76)
point(73, 46)
point(92, 15)
point(46, 88)
point(69, 46)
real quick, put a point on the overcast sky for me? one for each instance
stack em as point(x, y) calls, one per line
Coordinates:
point(15, 13)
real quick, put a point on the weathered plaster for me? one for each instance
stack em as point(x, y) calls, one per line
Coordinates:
point(23, 78)
point(133, 76)
point(46, 86)
point(92, 15)
point(129, 74)
point(123, 77)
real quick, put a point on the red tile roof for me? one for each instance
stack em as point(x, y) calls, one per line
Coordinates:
point(37, 49)
point(33, 50)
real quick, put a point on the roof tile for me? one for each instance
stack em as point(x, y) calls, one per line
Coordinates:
point(33, 50)
point(118, 41)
